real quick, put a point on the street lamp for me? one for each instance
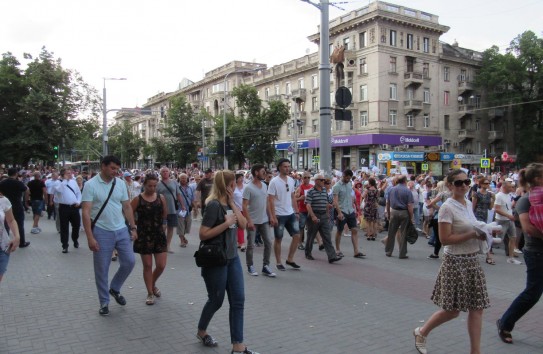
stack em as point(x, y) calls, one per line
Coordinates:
point(104, 122)
point(225, 158)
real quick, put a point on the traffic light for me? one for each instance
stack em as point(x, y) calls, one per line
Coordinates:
point(55, 152)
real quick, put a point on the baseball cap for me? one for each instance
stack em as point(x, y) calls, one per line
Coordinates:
point(127, 174)
point(208, 170)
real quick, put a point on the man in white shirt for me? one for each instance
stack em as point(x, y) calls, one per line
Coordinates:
point(504, 217)
point(284, 213)
point(69, 201)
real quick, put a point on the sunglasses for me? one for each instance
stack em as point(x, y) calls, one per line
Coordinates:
point(327, 182)
point(288, 190)
point(307, 177)
point(320, 179)
point(459, 182)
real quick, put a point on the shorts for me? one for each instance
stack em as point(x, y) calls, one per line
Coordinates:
point(172, 220)
point(303, 220)
point(37, 207)
point(349, 219)
point(184, 224)
point(508, 228)
point(289, 222)
point(4, 260)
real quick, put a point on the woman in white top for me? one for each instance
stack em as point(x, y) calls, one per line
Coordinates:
point(238, 200)
point(7, 245)
point(460, 284)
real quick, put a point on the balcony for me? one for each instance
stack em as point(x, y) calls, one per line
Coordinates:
point(412, 105)
point(494, 113)
point(465, 86)
point(299, 93)
point(464, 110)
point(494, 135)
point(413, 78)
point(465, 134)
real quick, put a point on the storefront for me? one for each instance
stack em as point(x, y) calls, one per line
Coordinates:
point(286, 149)
point(453, 161)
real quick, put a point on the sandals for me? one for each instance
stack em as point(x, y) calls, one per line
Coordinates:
point(207, 341)
point(359, 255)
point(505, 336)
point(490, 261)
point(156, 292)
point(340, 254)
point(150, 300)
point(420, 341)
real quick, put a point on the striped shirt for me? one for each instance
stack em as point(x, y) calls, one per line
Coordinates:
point(318, 200)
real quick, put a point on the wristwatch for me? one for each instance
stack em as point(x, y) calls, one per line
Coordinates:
point(133, 228)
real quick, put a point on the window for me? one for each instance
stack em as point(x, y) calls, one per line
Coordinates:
point(393, 38)
point(314, 81)
point(331, 49)
point(446, 95)
point(287, 88)
point(300, 130)
point(477, 125)
point(363, 92)
point(301, 83)
point(362, 39)
point(392, 117)
point(426, 70)
point(410, 121)
point(426, 121)
point(276, 90)
point(363, 65)
point(267, 93)
point(364, 119)
point(463, 74)
point(349, 83)
point(339, 124)
point(346, 43)
point(446, 120)
point(393, 91)
point(410, 64)
point(410, 93)
point(351, 124)
point(289, 129)
point(314, 125)
point(314, 104)
point(409, 41)
point(446, 73)
point(392, 68)
point(426, 45)
point(426, 98)
point(477, 101)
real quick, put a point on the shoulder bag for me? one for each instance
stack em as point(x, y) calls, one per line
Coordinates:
point(175, 202)
point(212, 252)
point(411, 234)
point(93, 222)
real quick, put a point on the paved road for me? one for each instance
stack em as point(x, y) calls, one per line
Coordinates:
point(49, 305)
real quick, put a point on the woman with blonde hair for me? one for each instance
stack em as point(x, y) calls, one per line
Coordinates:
point(222, 216)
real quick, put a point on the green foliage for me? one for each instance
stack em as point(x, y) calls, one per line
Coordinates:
point(124, 143)
point(516, 77)
point(41, 107)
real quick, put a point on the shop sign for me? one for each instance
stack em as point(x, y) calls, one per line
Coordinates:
point(408, 156)
point(432, 156)
point(447, 156)
point(384, 156)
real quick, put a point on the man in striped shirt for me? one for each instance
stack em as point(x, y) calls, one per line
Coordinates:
point(317, 202)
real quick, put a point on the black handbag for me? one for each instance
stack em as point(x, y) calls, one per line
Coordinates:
point(212, 252)
point(411, 233)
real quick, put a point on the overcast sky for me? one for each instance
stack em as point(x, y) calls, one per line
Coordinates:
point(155, 44)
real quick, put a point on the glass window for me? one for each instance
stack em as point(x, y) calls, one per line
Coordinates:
point(477, 125)
point(426, 45)
point(410, 93)
point(363, 92)
point(267, 93)
point(393, 91)
point(339, 124)
point(409, 41)
point(276, 90)
point(301, 83)
point(393, 38)
point(463, 74)
point(346, 43)
point(410, 64)
point(363, 65)
point(314, 104)
point(426, 95)
point(301, 130)
point(392, 117)
point(446, 73)
point(426, 70)
point(446, 95)
point(410, 121)
point(314, 81)
point(287, 88)
point(351, 124)
point(364, 119)
point(392, 68)
point(426, 121)
point(446, 122)
point(314, 125)
point(362, 39)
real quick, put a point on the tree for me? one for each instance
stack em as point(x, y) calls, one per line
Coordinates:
point(183, 131)
point(124, 143)
point(516, 78)
point(161, 150)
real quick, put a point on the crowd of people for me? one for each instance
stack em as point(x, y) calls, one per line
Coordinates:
point(123, 213)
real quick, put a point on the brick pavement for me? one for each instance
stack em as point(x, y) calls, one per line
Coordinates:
point(48, 304)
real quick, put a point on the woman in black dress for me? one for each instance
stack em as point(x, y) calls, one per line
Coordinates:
point(150, 211)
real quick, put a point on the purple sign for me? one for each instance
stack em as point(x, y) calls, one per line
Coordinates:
point(375, 139)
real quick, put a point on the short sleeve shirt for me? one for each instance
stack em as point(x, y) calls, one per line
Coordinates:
point(213, 216)
point(5, 205)
point(96, 191)
point(531, 243)
point(344, 192)
point(169, 193)
point(462, 219)
point(504, 200)
point(282, 191)
point(257, 198)
point(35, 188)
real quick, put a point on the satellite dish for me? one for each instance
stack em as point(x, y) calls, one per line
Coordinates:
point(460, 98)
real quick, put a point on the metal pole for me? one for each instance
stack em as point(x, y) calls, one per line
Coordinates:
point(324, 78)
point(225, 159)
point(295, 124)
point(104, 122)
point(203, 143)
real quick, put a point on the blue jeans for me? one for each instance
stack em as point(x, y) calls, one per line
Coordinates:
point(219, 280)
point(108, 241)
point(531, 294)
point(289, 222)
point(4, 260)
point(416, 216)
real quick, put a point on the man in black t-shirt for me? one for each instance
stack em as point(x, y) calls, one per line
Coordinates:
point(203, 188)
point(38, 195)
point(14, 190)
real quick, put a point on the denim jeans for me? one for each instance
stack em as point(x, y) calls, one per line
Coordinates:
point(265, 234)
point(219, 280)
point(531, 294)
point(108, 241)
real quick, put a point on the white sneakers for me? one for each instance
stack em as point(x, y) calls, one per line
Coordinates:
point(517, 251)
point(35, 230)
point(513, 261)
point(251, 270)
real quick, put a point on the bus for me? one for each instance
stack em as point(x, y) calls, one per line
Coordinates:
point(85, 166)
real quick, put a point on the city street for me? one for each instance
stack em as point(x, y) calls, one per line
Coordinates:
point(49, 304)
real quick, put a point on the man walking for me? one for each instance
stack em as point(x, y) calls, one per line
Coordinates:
point(38, 195)
point(300, 198)
point(318, 201)
point(256, 210)
point(110, 231)
point(344, 204)
point(503, 206)
point(15, 191)
point(400, 210)
point(284, 213)
point(69, 202)
point(185, 215)
point(170, 190)
point(203, 188)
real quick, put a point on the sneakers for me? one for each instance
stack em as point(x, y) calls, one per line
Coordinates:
point(280, 267)
point(246, 351)
point(35, 230)
point(420, 341)
point(517, 251)
point(292, 264)
point(433, 256)
point(513, 261)
point(118, 297)
point(104, 310)
point(251, 270)
point(267, 271)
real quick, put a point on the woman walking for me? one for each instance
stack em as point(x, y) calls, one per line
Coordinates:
point(222, 216)
point(371, 215)
point(460, 284)
point(151, 212)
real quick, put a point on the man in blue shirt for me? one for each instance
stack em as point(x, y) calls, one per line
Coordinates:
point(400, 211)
point(110, 231)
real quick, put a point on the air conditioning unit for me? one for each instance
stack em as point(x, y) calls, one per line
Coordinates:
point(455, 144)
point(446, 141)
point(469, 151)
point(385, 147)
point(440, 147)
point(397, 148)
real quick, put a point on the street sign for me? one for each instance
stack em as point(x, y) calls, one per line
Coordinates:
point(316, 159)
point(424, 167)
point(485, 163)
point(343, 97)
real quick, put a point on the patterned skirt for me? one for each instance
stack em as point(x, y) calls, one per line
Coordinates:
point(461, 284)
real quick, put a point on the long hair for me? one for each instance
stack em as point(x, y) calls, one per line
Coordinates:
point(221, 180)
point(528, 175)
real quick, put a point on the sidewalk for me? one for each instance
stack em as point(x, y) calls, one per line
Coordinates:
point(49, 304)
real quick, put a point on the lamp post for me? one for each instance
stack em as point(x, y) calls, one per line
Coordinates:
point(104, 122)
point(225, 158)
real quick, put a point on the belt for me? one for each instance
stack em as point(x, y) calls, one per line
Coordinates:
point(69, 205)
point(399, 209)
point(319, 212)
